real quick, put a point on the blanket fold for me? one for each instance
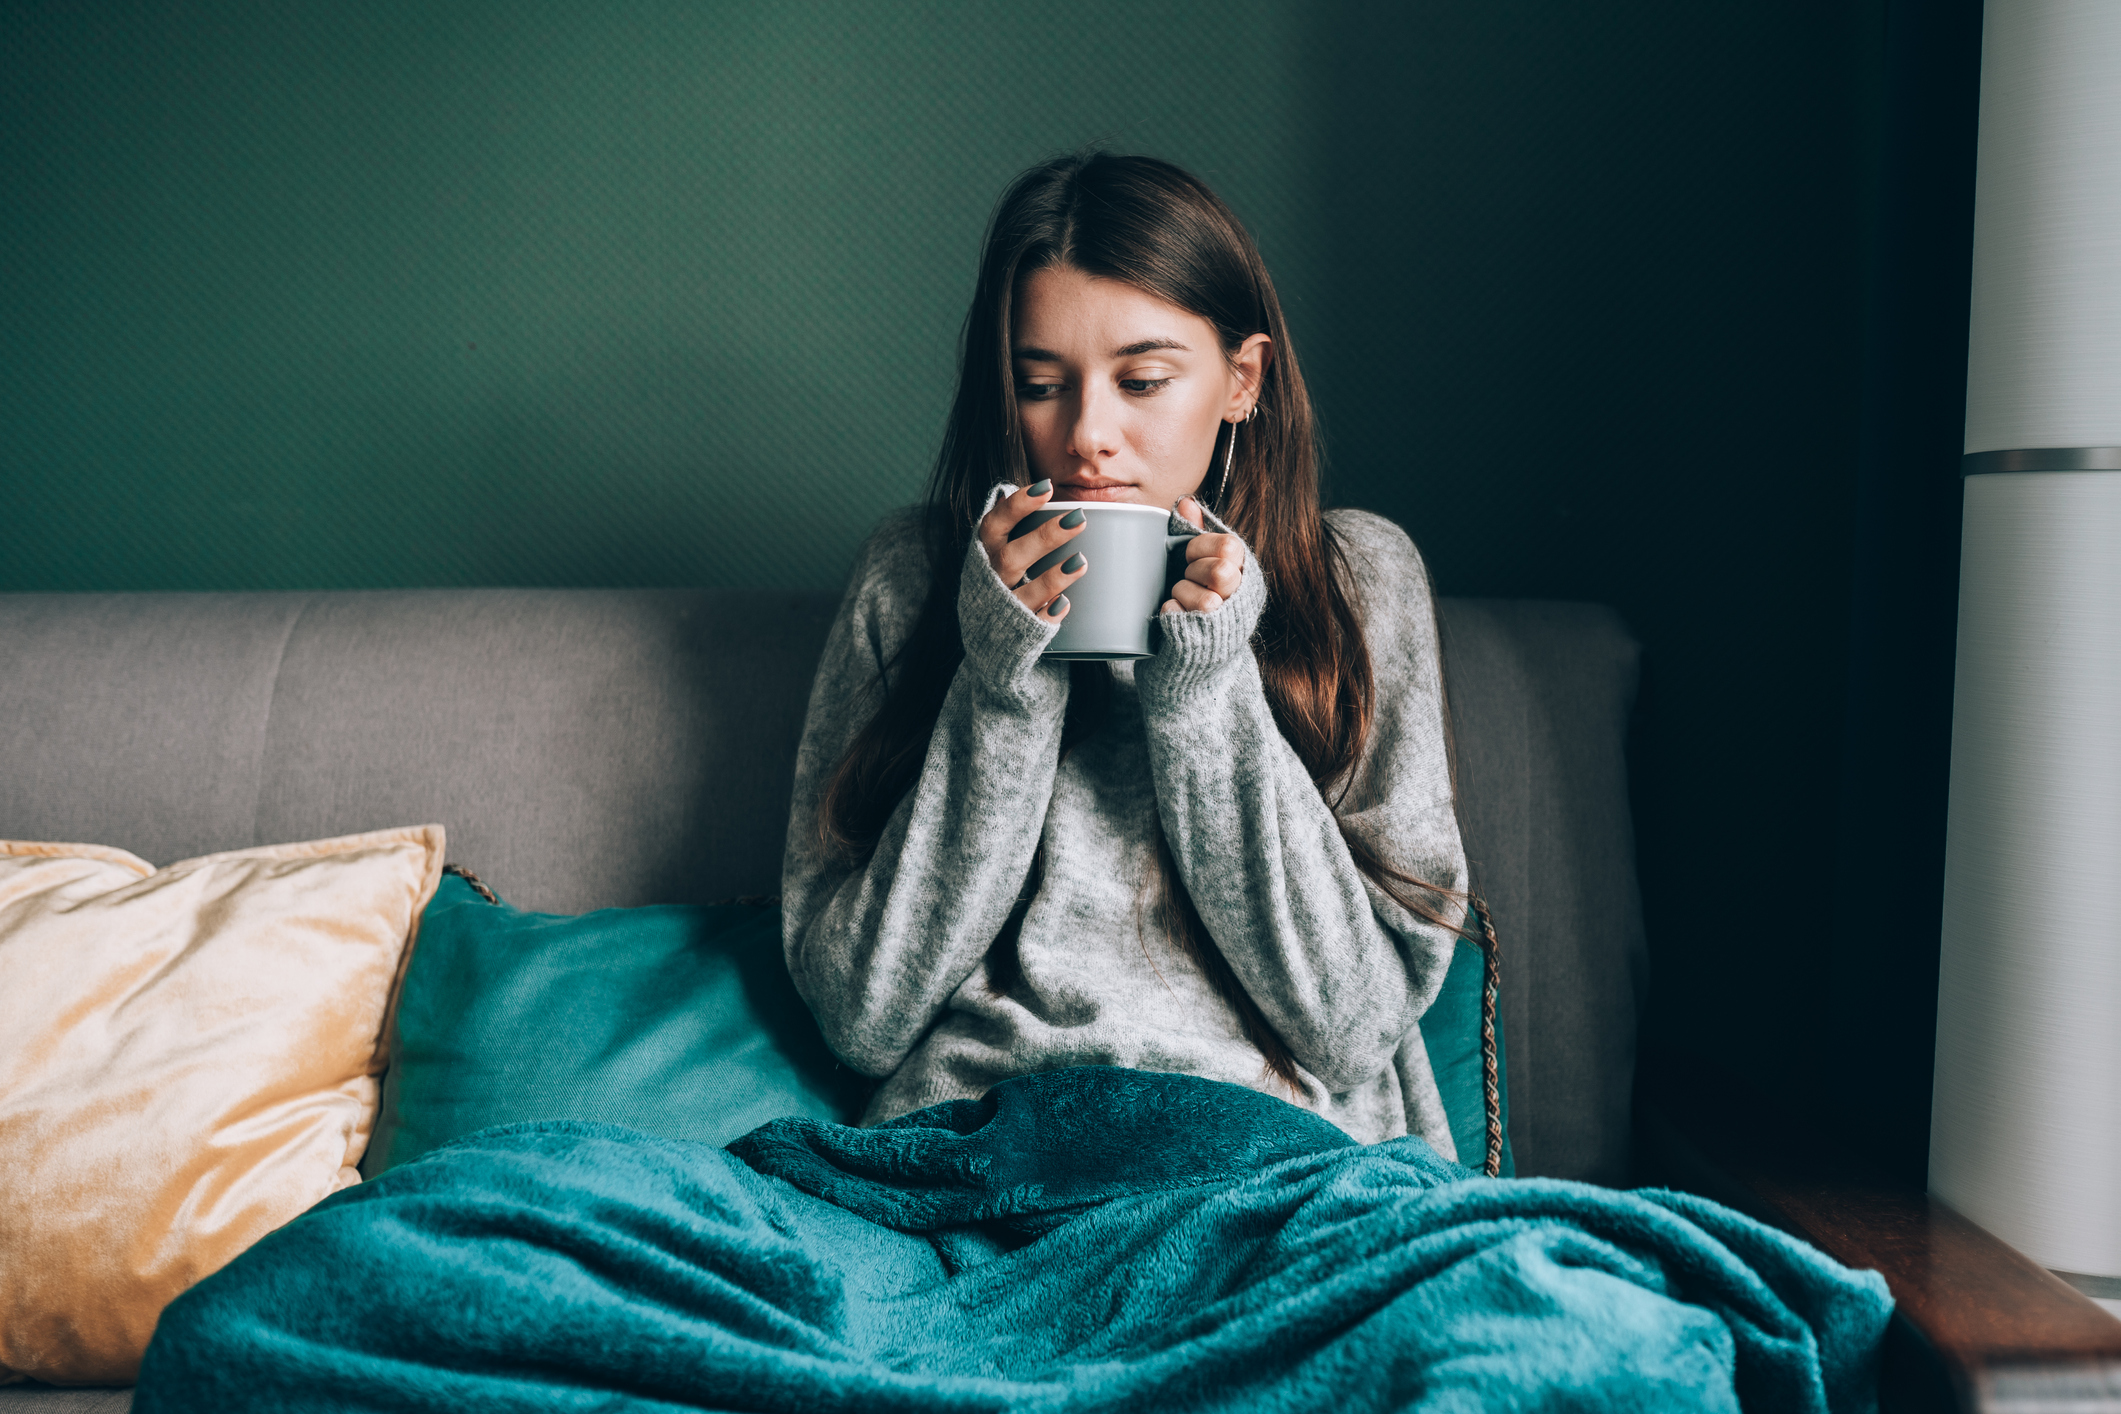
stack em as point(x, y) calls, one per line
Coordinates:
point(1086, 1239)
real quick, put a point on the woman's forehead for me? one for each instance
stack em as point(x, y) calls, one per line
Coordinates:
point(1062, 311)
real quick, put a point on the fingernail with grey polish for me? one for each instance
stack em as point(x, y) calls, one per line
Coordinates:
point(1040, 488)
point(1071, 520)
point(1071, 564)
point(1059, 605)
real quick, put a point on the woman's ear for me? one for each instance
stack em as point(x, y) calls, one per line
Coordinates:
point(1249, 363)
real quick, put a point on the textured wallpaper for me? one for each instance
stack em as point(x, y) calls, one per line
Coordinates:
point(546, 293)
point(647, 292)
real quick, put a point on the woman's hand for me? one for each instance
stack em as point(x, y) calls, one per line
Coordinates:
point(1215, 566)
point(1011, 558)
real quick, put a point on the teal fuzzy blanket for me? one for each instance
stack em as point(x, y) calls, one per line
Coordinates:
point(1087, 1239)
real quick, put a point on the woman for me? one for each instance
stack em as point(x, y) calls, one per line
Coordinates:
point(1237, 859)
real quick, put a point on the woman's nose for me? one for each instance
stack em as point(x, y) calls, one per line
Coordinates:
point(1095, 435)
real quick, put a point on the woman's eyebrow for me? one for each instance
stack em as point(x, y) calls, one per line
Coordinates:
point(1139, 347)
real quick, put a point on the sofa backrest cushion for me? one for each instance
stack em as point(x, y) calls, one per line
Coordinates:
point(600, 748)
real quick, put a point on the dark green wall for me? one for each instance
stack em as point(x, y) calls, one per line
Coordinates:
point(667, 293)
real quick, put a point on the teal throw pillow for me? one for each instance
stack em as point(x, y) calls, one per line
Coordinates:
point(681, 1020)
point(1451, 1032)
point(678, 1020)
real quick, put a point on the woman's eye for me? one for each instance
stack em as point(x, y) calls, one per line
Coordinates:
point(1143, 385)
point(1036, 392)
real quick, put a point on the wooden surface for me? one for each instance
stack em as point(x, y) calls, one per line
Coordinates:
point(1979, 1326)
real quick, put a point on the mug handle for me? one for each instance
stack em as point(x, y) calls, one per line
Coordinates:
point(1174, 562)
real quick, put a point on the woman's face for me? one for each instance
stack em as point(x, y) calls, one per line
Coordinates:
point(1121, 395)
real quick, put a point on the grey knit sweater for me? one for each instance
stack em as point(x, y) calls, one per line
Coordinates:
point(905, 959)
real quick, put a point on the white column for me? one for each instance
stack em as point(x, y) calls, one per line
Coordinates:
point(2026, 1116)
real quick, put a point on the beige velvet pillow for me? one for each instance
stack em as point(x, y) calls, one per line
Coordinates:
point(188, 1059)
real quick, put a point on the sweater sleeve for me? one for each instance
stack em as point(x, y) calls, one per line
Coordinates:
point(877, 947)
point(1339, 968)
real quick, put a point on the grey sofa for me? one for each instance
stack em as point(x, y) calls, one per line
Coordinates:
point(590, 748)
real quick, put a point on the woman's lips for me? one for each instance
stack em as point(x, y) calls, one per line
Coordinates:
point(1109, 491)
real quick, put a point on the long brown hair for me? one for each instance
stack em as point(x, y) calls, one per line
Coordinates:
point(1151, 225)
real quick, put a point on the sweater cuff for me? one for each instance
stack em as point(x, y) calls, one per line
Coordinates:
point(1002, 638)
point(1201, 650)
